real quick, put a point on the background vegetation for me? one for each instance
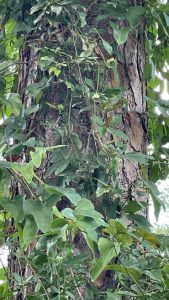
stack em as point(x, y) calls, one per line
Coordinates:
point(72, 229)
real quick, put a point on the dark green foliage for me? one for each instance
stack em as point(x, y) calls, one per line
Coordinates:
point(61, 208)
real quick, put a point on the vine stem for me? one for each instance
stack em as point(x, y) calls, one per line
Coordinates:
point(75, 283)
point(140, 289)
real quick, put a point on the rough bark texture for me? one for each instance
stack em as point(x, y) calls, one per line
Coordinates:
point(134, 120)
point(46, 121)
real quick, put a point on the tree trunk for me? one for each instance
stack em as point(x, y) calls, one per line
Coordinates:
point(71, 121)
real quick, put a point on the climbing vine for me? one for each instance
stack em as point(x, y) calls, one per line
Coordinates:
point(71, 135)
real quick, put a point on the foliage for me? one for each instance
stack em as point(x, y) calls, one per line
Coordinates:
point(64, 198)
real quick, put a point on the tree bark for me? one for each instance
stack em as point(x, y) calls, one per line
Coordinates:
point(47, 120)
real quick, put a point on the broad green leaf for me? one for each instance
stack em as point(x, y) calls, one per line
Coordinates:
point(147, 70)
point(70, 193)
point(30, 142)
point(43, 216)
point(140, 220)
point(115, 226)
point(36, 88)
point(89, 226)
point(108, 250)
point(120, 33)
point(124, 240)
point(85, 208)
point(29, 231)
point(114, 296)
point(89, 242)
point(14, 207)
point(61, 166)
point(40, 153)
point(13, 103)
point(148, 236)
point(38, 156)
point(25, 169)
point(68, 213)
point(132, 207)
point(135, 14)
point(133, 273)
point(164, 7)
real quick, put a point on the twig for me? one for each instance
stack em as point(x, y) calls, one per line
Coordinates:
point(22, 181)
point(75, 283)
point(6, 273)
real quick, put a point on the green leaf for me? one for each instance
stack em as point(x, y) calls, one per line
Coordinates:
point(148, 73)
point(155, 274)
point(38, 156)
point(148, 236)
point(55, 70)
point(61, 166)
point(43, 216)
point(35, 8)
point(14, 207)
point(140, 220)
point(68, 213)
point(36, 88)
point(118, 133)
point(103, 190)
point(132, 207)
point(115, 226)
point(82, 16)
point(120, 33)
point(29, 231)
point(56, 9)
point(108, 250)
point(73, 261)
point(139, 157)
point(85, 208)
point(133, 273)
point(135, 14)
point(124, 239)
point(154, 192)
point(70, 193)
point(25, 169)
point(107, 47)
point(30, 142)
point(13, 103)
point(76, 140)
point(40, 153)
point(89, 226)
